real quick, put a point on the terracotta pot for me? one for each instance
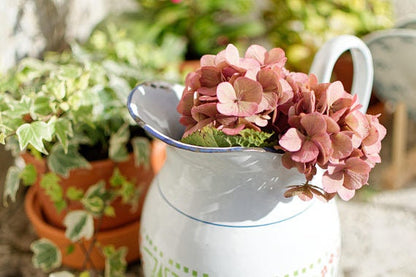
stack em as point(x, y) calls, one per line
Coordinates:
point(126, 235)
point(84, 178)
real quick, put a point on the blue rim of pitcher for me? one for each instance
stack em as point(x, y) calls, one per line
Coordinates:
point(178, 144)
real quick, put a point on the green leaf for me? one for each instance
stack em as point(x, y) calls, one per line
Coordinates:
point(109, 211)
point(28, 175)
point(74, 193)
point(141, 150)
point(62, 163)
point(79, 224)
point(115, 261)
point(85, 274)
point(34, 133)
point(21, 107)
point(70, 249)
point(2, 138)
point(211, 137)
point(117, 150)
point(50, 182)
point(12, 184)
point(94, 205)
point(95, 199)
point(46, 254)
point(42, 105)
point(63, 131)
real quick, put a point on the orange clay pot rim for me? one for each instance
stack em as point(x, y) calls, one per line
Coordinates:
point(36, 219)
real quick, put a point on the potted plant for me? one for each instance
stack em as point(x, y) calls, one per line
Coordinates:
point(302, 27)
point(88, 164)
point(253, 136)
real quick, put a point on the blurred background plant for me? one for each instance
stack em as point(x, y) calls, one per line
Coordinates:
point(300, 27)
point(207, 26)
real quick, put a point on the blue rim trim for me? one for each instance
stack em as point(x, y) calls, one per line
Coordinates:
point(231, 226)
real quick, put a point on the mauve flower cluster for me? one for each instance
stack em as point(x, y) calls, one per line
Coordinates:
point(316, 124)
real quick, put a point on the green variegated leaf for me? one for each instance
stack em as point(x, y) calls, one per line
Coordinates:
point(63, 131)
point(34, 133)
point(118, 151)
point(28, 175)
point(12, 184)
point(42, 105)
point(95, 199)
point(74, 193)
point(21, 107)
point(115, 261)
point(61, 162)
point(46, 254)
point(94, 205)
point(141, 149)
point(85, 274)
point(79, 224)
point(2, 138)
point(50, 182)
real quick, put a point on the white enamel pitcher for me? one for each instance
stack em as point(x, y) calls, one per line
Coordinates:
point(221, 211)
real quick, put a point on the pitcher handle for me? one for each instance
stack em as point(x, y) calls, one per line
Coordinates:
point(324, 61)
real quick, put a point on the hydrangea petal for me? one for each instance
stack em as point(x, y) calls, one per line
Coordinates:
point(256, 52)
point(341, 145)
point(314, 123)
point(292, 140)
point(307, 153)
point(331, 183)
point(248, 90)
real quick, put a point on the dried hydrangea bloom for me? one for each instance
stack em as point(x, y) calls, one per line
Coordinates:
point(314, 124)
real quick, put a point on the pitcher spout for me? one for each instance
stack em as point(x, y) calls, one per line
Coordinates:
point(153, 106)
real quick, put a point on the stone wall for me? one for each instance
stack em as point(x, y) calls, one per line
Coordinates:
point(29, 27)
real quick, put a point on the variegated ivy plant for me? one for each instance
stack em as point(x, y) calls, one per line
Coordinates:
point(69, 108)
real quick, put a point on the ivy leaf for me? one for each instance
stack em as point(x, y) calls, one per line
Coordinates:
point(46, 254)
point(211, 137)
point(34, 133)
point(2, 138)
point(115, 261)
point(70, 249)
point(62, 163)
point(42, 105)
point(141, 150)
point(117, 150)
point(63, 131)
point(50, 182)
point(95, 199)
point(20, 108)
point(12, 184)
point(74, 193)
point(109, 211)
point(79, 224)
point(28, 175)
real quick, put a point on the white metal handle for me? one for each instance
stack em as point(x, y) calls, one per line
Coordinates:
point(324, 61)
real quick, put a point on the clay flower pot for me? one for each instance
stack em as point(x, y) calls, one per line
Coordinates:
point(126, 235)
point(100, 170)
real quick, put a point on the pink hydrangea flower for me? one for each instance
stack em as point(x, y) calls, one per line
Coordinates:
point(314, 124)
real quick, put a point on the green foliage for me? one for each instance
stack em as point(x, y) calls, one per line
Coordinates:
point(125, 189)
point(79, 224)
point(28, 175)
point(12, 184)
point(207, 26)
point(115, 263)
point(211, 137)
point(50, 182)
point(141, 150)
point(300, 27)
point(74, 194)
point(62, 163)
point(46, 254)
point(96, 198)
